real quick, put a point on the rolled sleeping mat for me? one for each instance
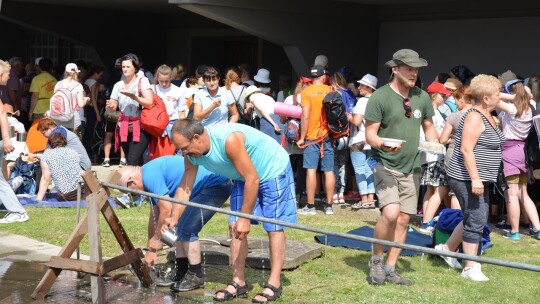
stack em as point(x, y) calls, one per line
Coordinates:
point(288, 110)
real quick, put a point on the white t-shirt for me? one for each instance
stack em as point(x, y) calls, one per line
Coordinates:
point(171, 96)
point(75, 88)
point(129, 107)
point(358, 134)
point(219, 115)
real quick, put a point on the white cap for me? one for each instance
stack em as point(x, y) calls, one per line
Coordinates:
point(72, 67)
point(369, 80)
point(38, 60)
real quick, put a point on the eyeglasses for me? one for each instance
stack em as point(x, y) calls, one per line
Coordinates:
point(407, 106)
point(185, 148)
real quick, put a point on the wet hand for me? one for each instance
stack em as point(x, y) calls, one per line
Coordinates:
point(241, 228)
point(150, 258)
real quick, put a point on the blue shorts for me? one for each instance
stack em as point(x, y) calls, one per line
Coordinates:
point(276, 200)
point(193, 219)
point(312, 155)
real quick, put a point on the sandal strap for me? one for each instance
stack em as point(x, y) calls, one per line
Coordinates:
point(235, 285)
point(273, 288)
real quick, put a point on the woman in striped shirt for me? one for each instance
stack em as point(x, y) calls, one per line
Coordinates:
point(473, 167)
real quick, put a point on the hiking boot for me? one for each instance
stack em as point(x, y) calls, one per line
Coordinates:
point(474, 273)
point(514, 236)
point(452, 262)
point(377, 275)
point(307, 210)
point(427, 228)
point(122, 163)
point(394, 277)
point(106, 163)
point(14, 217)
point(191, 281)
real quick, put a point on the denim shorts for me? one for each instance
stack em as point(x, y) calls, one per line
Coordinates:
point(193, 219)
point(312, 155)
point(276, 200)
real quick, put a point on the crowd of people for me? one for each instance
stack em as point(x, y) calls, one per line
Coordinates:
point(408, 151)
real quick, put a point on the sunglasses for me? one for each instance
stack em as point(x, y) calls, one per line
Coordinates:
point(407, 106)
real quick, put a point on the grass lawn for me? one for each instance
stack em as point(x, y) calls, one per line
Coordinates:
point(339, 276)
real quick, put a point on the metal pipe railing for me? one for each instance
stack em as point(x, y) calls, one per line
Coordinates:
point(427, 250)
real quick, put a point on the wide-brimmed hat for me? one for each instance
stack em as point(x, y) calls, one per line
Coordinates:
point(506, 77)
point(408, 57)
point(369, 80)
point(263, 76)
point(452, 84)
point(250, 91)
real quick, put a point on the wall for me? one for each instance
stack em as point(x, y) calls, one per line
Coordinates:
point(487, 46)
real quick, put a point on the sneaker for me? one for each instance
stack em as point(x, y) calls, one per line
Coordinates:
point(162, 277)
point(14, 217)
point(328, 210)
point(307, 210)
point(474, 273)
point(377, 275)
point(139, 201)
point(427, 228)
point(191, 281)
point(514, 236)
point(394, 277)
point(106, 163)
point(534, 234)
point(452, 262)
point(122, 163)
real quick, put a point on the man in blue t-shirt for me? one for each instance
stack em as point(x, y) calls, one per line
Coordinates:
point(162, 176)
point(263, 185)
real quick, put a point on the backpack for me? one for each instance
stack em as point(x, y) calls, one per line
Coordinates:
point(532, 149)
point(154, 119)
point(335, 115)
point(349, 100)
point(453, 107)
point(62, 107)
point(292, 131)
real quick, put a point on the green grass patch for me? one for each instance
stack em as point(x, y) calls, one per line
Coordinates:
point(339, 276)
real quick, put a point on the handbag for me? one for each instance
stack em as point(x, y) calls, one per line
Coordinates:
point(154, 119)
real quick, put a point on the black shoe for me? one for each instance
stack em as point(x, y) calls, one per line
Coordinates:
point(191, 281)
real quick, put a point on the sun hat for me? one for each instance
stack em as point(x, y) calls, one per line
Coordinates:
point(263, 76)
point(72, 67)
point(369, 80)
point(318, 71)
point(437, 87)
point(408, 57)
point(250, 91)
point(453, 84)
point(506, 77)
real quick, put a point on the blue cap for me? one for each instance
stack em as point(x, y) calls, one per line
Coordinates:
point(510, 83)
point(60, 130)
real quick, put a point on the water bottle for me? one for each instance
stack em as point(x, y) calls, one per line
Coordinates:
point(372, 162)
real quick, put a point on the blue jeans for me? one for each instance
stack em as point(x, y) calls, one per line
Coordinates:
point(364, 175)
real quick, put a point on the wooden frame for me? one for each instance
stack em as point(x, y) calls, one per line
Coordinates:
point(89, 223)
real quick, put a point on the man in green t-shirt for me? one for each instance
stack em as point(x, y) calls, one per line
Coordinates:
point(397, 110)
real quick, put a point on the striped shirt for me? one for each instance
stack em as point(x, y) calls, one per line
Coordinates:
point(487, 153)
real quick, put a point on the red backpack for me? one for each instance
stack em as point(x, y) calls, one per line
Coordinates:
point(154, 119)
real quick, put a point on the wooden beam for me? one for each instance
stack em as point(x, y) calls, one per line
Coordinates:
point(76, 265)
point(71, 245)
point(94, 240)
point(122, 260)
point(91, 181)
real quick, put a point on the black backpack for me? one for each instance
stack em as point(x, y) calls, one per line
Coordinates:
point(335, 115)
point(532, 151)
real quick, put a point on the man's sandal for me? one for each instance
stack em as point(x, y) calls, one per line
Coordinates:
point(269, 298)
point(241, 292)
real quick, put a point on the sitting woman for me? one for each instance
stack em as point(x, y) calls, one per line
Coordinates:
point(62, 164)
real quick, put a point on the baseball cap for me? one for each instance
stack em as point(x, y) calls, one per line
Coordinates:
point(318, 71)
point(72, 67)
point(437, 87)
